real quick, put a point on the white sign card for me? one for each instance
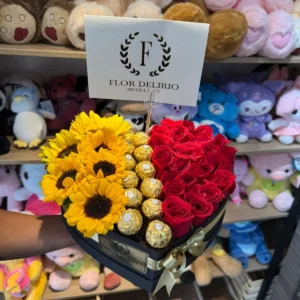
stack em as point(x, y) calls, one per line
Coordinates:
point(129, 58)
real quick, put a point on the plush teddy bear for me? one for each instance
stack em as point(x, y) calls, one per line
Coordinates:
point(9, 183)
point(174, 112)
point(72, 262)
point(219, 110)
point(20, 21)
point(287, 127)
point(29, 126)
point(227, 27)
point(23, 279)
point(144, 9)
point(246, 239)
point(240, 172)
point(270, 178)
point(31, 176)
point(296, 17)
point(54, 21)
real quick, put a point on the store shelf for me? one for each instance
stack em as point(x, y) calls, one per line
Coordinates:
point(244, 212)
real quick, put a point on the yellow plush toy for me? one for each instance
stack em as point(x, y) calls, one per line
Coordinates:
point(23, 279)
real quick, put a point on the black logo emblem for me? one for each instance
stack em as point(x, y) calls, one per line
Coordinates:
point(121, 248)
point(145, 52)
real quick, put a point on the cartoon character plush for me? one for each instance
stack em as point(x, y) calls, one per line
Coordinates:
point(296, 17)
point(9, 183)
point(287, 127)
point(29, 126)
point(174, 112)
point(219, 110)
point(72, 262)
point(23, 278)
point(144, 9)
point(240, 172)
point(246, 239)
point(270, 179)
point(31, 176)
point(5, 114)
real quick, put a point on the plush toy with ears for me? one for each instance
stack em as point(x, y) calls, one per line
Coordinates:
point(240, 172)
point(144, 9)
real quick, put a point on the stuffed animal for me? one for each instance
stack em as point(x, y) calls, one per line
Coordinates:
point(9, 183)
point(20, 21)
point(29, 126)
point(111, 279)
point(219, 110)
point(230, 266)
point(240, 172)
point(270, 178)
point(4, 127)
point(31, 176)
point(173, 112)
point(296, 17)
point(228, 28)
point(246, 239)
point(144, 9)
point(72, 262)
point(23, 278)
point(54, 21)
point(287, 127)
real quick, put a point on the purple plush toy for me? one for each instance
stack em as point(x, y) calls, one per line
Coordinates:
point(173, 112)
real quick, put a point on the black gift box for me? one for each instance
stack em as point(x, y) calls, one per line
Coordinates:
point(134, 261)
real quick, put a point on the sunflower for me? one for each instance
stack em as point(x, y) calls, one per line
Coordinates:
point(105, 164)
point(63, 179)
point(104, 138)
point(61, 146)
point(95, 208)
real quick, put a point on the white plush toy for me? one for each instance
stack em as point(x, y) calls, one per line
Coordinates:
point(144, 9)
point(29, 126)
point(75, 26)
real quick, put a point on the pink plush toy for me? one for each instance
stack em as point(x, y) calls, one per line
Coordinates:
point(72, 262)
point(240, 171)
point(9, 183)
point(270, 178)
point(287, 127)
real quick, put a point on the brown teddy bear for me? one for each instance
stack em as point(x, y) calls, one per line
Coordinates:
point(227, 27)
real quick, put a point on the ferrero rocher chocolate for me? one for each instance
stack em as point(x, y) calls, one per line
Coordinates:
point(158, 234)
point(128, 135)
point(130, 162)
point(130, 180)
point(130, 222)
point(143, 152)
point(152, 208)
point(140, 138)
point(151, 188)
point(129, 147)
point(134, 197)
point(145, 169)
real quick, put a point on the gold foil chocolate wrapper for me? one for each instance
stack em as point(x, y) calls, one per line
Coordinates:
point(130, 180)
point(128, 135)
point(152, 208)
point(130, 222)
point(140, 138)
point(145, 169)
point(130, 162)
point(129, 147)
point(143, 152)
point(158, 234)
point(151, 188)
point(134, 197)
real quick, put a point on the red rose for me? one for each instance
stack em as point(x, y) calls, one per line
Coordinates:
point(227, 160)
point(211, 153)
point(203, 133)
point(170, 123)
point(187, 178)
point(166, 175)
point(173, 188)
point(161, 157)
point(201, 209)
point(208, 192)
point(158, 139)
point(189, 150)
point(189, 125)
point(180, 165)
point(160, 130)
point(180, 134)
point(224, 180)
point(220, 140)
point(178, 214)
point(202, 169)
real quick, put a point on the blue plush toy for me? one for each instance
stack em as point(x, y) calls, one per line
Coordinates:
point(246, 239)
point(219, 110)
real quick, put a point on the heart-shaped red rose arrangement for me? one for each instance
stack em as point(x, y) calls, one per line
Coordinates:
point(196, 169)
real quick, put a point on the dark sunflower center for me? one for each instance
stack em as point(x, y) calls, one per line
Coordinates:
point(97, 207)
point(103, 146)
point(70, 173)
point(67, 151)
point(106, 167)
